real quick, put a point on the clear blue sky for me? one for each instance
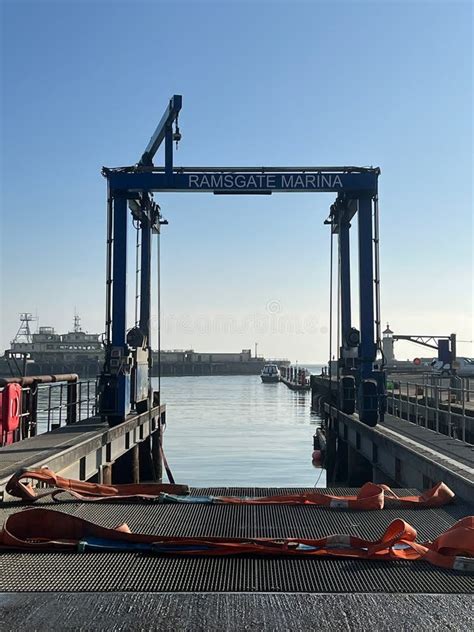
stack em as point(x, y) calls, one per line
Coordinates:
point(263, 83)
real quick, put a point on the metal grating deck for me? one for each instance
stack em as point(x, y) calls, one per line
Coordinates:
point(141, 573)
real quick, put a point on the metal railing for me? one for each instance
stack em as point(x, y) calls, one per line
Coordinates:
point(47, 406)
point(439, 406)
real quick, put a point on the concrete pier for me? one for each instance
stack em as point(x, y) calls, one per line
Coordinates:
point(397, 452)
point(91, 450)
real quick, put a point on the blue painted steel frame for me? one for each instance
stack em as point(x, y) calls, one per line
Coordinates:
point(145, 278)
point(146, 214)
point(164, 127)
point(345, 276)
point(119, 271)
point(119, 303)
point(367, 348)
point(355, 187)
point(354, 184)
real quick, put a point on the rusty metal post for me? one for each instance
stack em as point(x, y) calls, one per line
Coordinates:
point(156, 449)
point(156, 456)
point(330, 460)
point(106, 474)
point(135, 464)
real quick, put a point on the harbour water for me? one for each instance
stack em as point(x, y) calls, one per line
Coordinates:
point(234, 430)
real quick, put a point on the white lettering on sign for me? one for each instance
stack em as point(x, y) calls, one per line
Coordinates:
point(267, 181)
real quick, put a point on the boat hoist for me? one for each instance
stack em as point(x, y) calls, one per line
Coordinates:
point(125, 382)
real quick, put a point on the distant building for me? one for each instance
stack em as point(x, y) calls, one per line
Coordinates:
point(387, 345)
point(191, 356)
point(47, 352)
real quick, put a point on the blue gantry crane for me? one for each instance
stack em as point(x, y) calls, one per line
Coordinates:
point(125, 381)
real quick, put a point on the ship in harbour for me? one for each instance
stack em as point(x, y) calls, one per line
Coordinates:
point(46, 352)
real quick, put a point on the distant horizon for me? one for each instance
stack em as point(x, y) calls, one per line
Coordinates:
point(266, 356)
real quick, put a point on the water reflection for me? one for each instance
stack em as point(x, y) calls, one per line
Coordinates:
point(234, 430)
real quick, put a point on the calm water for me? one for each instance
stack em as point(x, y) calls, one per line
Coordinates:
point(234, 430)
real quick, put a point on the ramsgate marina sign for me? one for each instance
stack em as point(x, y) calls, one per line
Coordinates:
point(267, 181)
point(246, 182)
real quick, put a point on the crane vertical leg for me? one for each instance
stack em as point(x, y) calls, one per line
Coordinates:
point(144, 356)
point(366, 288)
point(345, 279)
point(348, 350)
point(119, 271)
point(368, 397)
point(145, 278)
point(117, 357)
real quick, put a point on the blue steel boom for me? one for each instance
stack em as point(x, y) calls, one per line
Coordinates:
point(362, 383)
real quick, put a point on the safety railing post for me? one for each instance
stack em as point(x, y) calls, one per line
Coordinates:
point(25, 412)
point(33, 420)
point(416, 404)
point(400, 400)
point(49, 409)
point(71, 402)
point(408, 401)
point(79, 400)
point(60, 407)
point(436, 403)
point(450, 422)
point(426, 390)
point(392, 397)
point(463, 404)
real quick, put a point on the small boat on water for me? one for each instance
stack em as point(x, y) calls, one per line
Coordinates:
point(270, 373)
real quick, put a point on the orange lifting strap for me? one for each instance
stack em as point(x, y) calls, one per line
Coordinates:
point(370, 495)
point(48, 530)
point(18, 487)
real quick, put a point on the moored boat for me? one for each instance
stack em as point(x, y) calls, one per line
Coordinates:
point(270, 373)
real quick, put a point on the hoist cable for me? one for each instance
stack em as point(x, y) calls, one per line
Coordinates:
point(109, 280)
point(158, 285)
point(330, 303)
point(378, 317)
point(137, 269)
point(319, 477)
point(338, 311)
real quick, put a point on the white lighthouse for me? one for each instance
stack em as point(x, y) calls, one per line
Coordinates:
point(387, 345)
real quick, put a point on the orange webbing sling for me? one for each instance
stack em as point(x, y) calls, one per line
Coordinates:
point(48, 530)
point(18, 487)
point(370, 495)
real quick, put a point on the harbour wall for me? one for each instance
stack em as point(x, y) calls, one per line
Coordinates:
point(92, 369)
